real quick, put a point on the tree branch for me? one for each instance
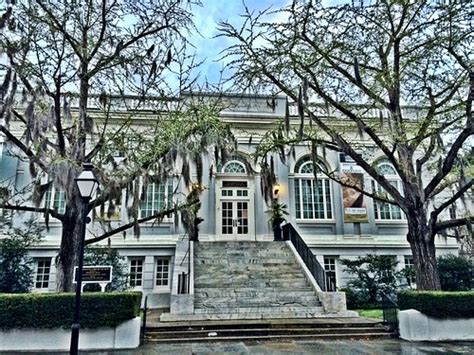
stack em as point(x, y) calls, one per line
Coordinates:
point(53, 213)
point(71, 40)
point(28, 152)
point(435, 213)
point(452, 223)
point(161, 214)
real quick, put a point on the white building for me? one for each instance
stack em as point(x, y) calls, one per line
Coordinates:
point(233, 209)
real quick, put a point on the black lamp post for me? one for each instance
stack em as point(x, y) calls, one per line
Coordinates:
point(87, 184)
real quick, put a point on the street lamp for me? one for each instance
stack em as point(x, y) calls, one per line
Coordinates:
point(87, 184)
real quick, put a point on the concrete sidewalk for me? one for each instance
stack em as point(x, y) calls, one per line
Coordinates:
point(302, 347)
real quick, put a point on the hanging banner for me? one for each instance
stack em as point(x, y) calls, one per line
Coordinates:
point(355, 208)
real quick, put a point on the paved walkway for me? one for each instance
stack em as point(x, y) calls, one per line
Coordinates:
point(303, 347)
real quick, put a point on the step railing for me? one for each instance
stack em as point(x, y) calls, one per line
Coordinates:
point(313, 265)
point(390, 312)
point(143, 328)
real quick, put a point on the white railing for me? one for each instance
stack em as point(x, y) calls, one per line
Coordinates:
point(321, 110)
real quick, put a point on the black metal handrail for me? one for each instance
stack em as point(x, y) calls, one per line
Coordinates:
point(325, 282)
point(145, 309)
point(389, 309)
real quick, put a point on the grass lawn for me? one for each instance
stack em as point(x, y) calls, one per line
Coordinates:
point(370, 313)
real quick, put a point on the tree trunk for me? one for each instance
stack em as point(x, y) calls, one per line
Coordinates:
point(423, 248)
point(69, 249)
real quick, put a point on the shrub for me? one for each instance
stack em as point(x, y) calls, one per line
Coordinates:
point(53, 310)
point(357, 299)
point(455, 273)
point(372, 274)
point(439, 304)
point(104, 255)
point(16, 273)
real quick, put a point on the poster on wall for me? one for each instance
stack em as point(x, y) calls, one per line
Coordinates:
point(355, 208)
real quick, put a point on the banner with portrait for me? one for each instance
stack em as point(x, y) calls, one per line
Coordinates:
point(355, 208)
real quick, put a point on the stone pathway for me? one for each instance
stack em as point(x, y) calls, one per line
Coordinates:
point(302, 347)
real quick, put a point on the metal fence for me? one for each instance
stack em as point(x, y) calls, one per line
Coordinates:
point(390, 309)
point(143, 329)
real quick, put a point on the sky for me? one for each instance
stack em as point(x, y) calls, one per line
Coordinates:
point(206, 19)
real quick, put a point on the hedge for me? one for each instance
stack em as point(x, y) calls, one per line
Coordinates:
point(54, 310)
point(439, 304)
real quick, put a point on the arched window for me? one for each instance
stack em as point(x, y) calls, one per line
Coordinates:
point(235, 165)
point(387, 211)
point(312, 197)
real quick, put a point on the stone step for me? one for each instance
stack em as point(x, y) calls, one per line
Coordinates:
point(261, 298)
point(351, 336)
point(247, 250)
point(168, 317)
point(278, 268)
point(245, 276)
point(236, 244)
point(248, 260)
point(253, 292)
point(159, 334)
point(252, 283)
point(314, 323)
point(220, 260)
point(264, 311)
point(252, 303)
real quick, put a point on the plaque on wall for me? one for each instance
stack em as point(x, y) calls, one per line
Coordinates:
point(234, 184)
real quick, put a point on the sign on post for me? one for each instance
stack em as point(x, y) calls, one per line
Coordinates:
point(101, 275)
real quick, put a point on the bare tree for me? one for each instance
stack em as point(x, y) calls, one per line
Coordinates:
point(76, 77)
point(395, 75)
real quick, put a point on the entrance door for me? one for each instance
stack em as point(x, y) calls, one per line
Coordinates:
point(235, 218)
point(235, 211)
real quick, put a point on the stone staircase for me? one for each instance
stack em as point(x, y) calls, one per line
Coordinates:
point(270, 330)
point(250, 280)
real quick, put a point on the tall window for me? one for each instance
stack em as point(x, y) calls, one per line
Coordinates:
point(410, 271)
point(312, 197)
point(330, 268)
point(387, 211)
point(157, 197)
point(55, 199)
point(136, 272)
point(43, 268)
point(162, 277)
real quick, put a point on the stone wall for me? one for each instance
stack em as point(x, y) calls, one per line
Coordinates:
point(416, 326)
point(124, 336)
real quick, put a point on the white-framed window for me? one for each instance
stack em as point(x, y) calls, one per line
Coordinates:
point(136, 272)
point(382, 210)
point(330, 265)
point(312, 196)
point(410, 270)
point(157, 198)
point(235, 164)
point(55, 199)
point(43, 270)
point(162, 272)
point(234, 167)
